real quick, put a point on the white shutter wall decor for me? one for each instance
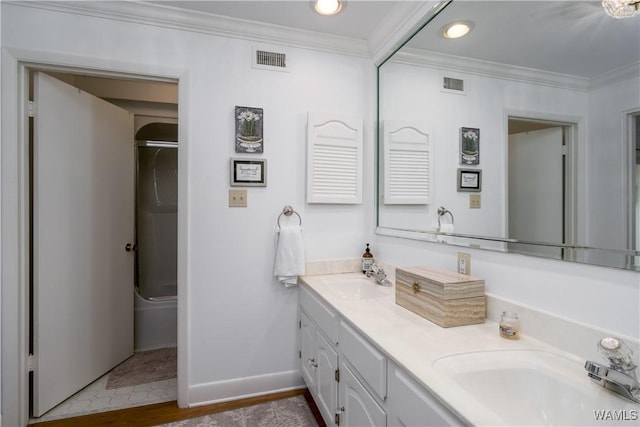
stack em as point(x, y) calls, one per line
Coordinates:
point(334, 158)
point(407, 167)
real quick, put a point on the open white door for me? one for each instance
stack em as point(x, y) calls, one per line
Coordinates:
point(83, 216)
point(536, 190)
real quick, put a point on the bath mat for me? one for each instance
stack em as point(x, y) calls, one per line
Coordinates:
point(144, 367)
point(290, 412)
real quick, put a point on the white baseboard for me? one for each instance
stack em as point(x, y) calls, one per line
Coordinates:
point(242, 388)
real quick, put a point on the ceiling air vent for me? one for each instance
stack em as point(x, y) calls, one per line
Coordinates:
point(270, 60)
point(449, 83)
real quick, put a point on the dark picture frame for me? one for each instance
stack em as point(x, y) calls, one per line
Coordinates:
point(248, 172)
point(249, 137)
point(470, 180)
point(469, 146)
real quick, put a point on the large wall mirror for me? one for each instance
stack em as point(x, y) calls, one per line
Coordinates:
point(521, 136)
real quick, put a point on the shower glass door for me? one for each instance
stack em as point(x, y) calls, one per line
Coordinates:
point(157, 219)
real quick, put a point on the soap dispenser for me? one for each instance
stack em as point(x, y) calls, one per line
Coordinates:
point(367, 260)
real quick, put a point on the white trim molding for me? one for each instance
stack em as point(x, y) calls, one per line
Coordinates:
point(242, 388)
point(207, 23)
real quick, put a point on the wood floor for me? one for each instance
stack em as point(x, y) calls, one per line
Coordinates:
point(161, 413)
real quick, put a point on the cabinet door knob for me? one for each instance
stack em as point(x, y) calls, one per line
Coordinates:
point(312, 363)
point(130, 247)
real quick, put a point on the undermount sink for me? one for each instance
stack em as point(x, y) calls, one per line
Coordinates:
point(355, 288)
point(532, 387)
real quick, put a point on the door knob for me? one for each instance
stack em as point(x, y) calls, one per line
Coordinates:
point(130, 248)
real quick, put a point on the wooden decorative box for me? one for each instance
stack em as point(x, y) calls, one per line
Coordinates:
point(447, 299)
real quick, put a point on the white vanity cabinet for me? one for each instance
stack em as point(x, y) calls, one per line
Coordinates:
point(326, 390)
point(319, 358)
point(363, 380)
point(352, 381)
point(357, 406)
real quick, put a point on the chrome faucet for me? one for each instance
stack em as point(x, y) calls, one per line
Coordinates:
point(378, 273)
point(620, 376)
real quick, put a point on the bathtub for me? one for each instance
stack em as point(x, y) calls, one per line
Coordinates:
point(155, 322)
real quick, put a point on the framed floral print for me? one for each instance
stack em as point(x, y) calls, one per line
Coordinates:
point(469, 146)
point(249, 136)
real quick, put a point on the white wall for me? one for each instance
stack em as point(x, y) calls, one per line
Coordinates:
point(602, 297)
point(238, 325)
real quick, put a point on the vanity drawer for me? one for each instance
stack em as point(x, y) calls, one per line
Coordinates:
point(367, 361)
point(324, 317)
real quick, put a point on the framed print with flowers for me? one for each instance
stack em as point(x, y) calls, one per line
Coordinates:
point(249, 137)
point(469, 146)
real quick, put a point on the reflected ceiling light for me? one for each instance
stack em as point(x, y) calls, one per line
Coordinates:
point(328, 7)
point(621, 8)
point(456, 30)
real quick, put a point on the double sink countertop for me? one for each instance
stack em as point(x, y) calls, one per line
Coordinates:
point(481, 377)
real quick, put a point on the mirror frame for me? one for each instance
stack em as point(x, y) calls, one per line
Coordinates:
point(569, 252)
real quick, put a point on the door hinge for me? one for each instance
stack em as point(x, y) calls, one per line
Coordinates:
point(31, 109)
point(299, 324)
point(31, 363)
point(337, 375)
point(299, 354)
point(336, 418)
point(565, 150)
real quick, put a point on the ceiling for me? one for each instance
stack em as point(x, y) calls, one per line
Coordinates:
point(568, 37)
point(358, 18)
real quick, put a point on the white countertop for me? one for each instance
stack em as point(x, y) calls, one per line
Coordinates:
point(414, 343)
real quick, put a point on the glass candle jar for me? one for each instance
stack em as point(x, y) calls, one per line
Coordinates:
point(509, 325)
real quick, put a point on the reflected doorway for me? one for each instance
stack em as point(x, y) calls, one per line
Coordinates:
point(540, 195)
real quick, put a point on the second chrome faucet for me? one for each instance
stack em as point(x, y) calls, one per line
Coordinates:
point(620, 376)
point(378, 273)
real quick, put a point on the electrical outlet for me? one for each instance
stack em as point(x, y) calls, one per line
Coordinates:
point(237, 198)
point(474, 201)
point(464, 263)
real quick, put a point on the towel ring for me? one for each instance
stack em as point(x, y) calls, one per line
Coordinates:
point(288, 211)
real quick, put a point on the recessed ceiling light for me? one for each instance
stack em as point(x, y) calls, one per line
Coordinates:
point(456, 30)
point(328, 7)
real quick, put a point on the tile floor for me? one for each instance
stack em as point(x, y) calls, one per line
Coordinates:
point(96, 398)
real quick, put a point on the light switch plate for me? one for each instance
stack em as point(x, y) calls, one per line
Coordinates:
point(237, 198)
point(474, 201)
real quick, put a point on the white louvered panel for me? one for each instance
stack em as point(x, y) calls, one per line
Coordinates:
point(334, 164)
point(407, 163)
point(408, 174)
point(335, 171)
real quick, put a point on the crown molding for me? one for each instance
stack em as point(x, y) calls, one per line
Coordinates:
point(489, 69)
point(207, 23)
point(631, 71)
point(400, 25)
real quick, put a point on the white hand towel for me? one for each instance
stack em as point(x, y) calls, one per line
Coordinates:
point(447, 228)
point(289, 262)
